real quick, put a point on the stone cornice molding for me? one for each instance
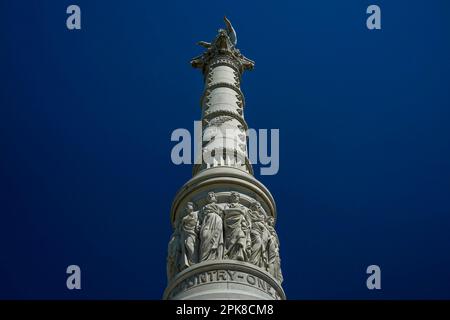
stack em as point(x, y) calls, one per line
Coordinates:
point(223, 175)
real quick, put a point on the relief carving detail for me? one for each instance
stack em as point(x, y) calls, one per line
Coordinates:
point(227, 230)
point(211, 232)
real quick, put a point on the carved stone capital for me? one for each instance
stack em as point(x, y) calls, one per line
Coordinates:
point(224, 50)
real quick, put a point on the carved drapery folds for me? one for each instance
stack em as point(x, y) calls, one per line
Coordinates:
point(228, 230)
point(223, 230)
point(211, 235)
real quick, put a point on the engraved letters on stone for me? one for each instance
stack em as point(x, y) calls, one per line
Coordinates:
point(224, 245)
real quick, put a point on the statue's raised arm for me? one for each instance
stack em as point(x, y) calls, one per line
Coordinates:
point(223, 45)
point(231, 32)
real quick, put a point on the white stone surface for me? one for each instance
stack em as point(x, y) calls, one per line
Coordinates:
point(224, 245)
point(224, 280)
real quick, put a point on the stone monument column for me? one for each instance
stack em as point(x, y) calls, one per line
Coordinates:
point(224, 245)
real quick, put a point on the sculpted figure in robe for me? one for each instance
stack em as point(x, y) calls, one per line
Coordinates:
point(211, 232)
point(273, 246)
point(237, 235)
point(173, 254)
point(259, 236)
point(190, 228)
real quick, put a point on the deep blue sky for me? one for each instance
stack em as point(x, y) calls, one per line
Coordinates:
point(86, 118)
